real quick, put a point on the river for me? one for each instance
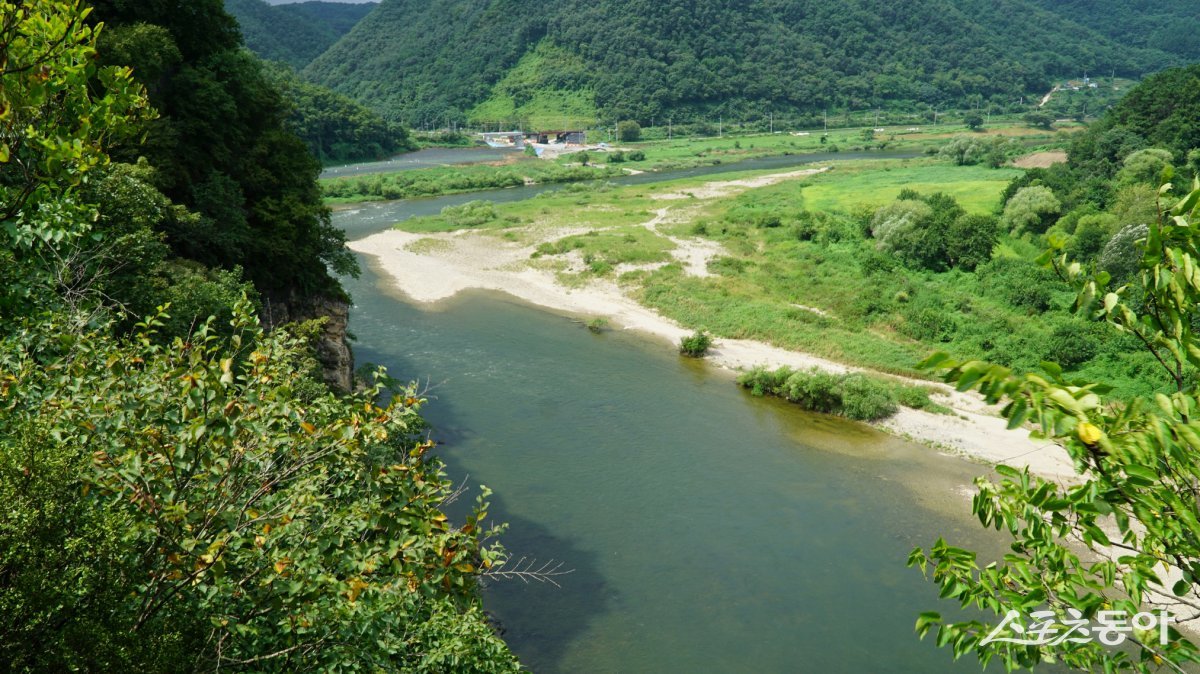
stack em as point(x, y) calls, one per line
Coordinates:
point(707, 530)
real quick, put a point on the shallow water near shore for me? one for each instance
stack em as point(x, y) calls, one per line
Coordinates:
point(706, 530)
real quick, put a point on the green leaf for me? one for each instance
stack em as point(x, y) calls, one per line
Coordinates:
point(1141, 475)
point(925, 621)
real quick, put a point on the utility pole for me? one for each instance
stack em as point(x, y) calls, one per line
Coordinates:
point(772, 123)
point(670, 130)
point(826, 120)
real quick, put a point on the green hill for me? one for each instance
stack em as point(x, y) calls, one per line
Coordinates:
point(296, 33)
point(1169, 25)
point(422, 61)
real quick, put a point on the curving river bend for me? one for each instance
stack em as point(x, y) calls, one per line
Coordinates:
point(708, 531)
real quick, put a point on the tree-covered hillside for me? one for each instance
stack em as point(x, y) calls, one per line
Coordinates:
point(335, 127)
point(1169, 25)
point(428, 61)
point(295, 33)
point(221, 148)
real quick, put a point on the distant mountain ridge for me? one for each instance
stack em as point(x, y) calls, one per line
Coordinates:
point(1169, 25)
point(294, 33)
point(422, 60)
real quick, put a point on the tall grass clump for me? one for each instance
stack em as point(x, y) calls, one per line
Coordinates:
point(696, 344)
point(470, 214)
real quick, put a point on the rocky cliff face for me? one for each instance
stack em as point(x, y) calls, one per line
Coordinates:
point(333, 345)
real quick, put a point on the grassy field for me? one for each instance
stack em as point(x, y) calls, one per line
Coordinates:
point(976, 188)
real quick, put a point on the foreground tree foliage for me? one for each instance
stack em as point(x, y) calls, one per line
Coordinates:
point(1128, 532)
point(53, 133)
point(206, 505)
point(192, 501)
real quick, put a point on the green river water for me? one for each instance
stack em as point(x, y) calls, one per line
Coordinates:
point(707, 530)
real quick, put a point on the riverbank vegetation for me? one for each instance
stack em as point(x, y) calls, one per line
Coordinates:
point(1118, 224)
point(853, 395)
point(450, 180)
point(182, 490)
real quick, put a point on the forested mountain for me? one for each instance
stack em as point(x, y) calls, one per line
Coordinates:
point(335, 127)
point(1169, 25)
point(294, 33)
point(420, 61)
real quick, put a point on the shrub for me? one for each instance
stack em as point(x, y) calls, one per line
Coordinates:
point(970, 240)
point(636, 155)
point(1091, 233)
point(696, 345)
point(208, 492)
point(928, 322)
point(1073, 342)
point(629, 131)
point(855, 396)
point(1032, 209)
point(866, 399)
point(617, 157)
point(1151, 166)
point(1019, 283)
point(873, 262)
